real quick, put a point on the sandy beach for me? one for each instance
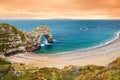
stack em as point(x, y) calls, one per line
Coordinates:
point(102, 55)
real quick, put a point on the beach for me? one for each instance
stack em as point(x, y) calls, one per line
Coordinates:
point(102, 55)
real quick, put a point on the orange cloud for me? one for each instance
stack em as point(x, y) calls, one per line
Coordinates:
point(80, 9)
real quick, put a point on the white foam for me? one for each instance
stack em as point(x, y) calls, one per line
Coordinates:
point(46, 43)
point(42, 44)
point(54, 40)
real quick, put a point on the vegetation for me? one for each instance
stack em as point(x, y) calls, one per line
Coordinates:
point(90, 72)
point(22, 36)
point(7, 71)
point(10, 37)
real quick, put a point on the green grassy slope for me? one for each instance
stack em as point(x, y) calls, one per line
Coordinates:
point(89, 72)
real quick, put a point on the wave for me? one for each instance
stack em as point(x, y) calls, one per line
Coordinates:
point(44, 43)
point(54, 40)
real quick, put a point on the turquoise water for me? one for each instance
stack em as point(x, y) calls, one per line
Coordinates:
point(71, 35)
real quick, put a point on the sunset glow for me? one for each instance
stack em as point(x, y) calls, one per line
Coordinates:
point(70, 9)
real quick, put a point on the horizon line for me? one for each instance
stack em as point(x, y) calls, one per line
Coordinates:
point(56, 19)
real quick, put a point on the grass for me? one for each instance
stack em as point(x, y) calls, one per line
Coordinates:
point(3, 62)
point(22, 36)
point(6, 71)
point(14, 29)
point(89, 72)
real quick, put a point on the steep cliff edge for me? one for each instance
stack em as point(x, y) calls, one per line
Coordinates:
point(13, 40)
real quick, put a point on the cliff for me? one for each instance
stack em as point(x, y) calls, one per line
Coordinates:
point(13, 40)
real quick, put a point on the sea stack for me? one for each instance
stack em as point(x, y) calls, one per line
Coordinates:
point(13, 40)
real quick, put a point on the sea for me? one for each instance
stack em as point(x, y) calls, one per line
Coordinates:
point(70, 35)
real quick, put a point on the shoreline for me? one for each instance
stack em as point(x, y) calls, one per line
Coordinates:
point(101, 55)
point(114, 39)
point(116, 36)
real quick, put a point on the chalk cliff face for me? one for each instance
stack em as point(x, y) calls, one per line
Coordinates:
point(13, 40)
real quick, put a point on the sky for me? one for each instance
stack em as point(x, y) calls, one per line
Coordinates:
point(68, 9)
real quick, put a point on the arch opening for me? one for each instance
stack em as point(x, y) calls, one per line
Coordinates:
point(45, 40)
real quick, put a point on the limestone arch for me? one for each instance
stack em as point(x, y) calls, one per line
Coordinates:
point(43, 31)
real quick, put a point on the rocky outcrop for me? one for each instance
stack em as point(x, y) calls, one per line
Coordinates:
point(13, 40)
point(33, 41)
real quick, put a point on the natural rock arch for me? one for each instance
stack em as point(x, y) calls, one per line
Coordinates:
point(36, 36)
point(43, 31)
point(13, 40)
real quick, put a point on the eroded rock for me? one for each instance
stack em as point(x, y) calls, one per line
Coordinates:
point(13, 40)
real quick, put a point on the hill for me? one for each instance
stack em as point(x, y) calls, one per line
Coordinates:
point(89, 72)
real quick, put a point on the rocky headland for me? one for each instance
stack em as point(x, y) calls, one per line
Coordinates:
point(13, 40)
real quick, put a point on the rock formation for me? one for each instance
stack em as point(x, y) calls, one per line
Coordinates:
point(13, 40)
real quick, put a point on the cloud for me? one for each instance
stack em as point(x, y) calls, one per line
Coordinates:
point(80, 9)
